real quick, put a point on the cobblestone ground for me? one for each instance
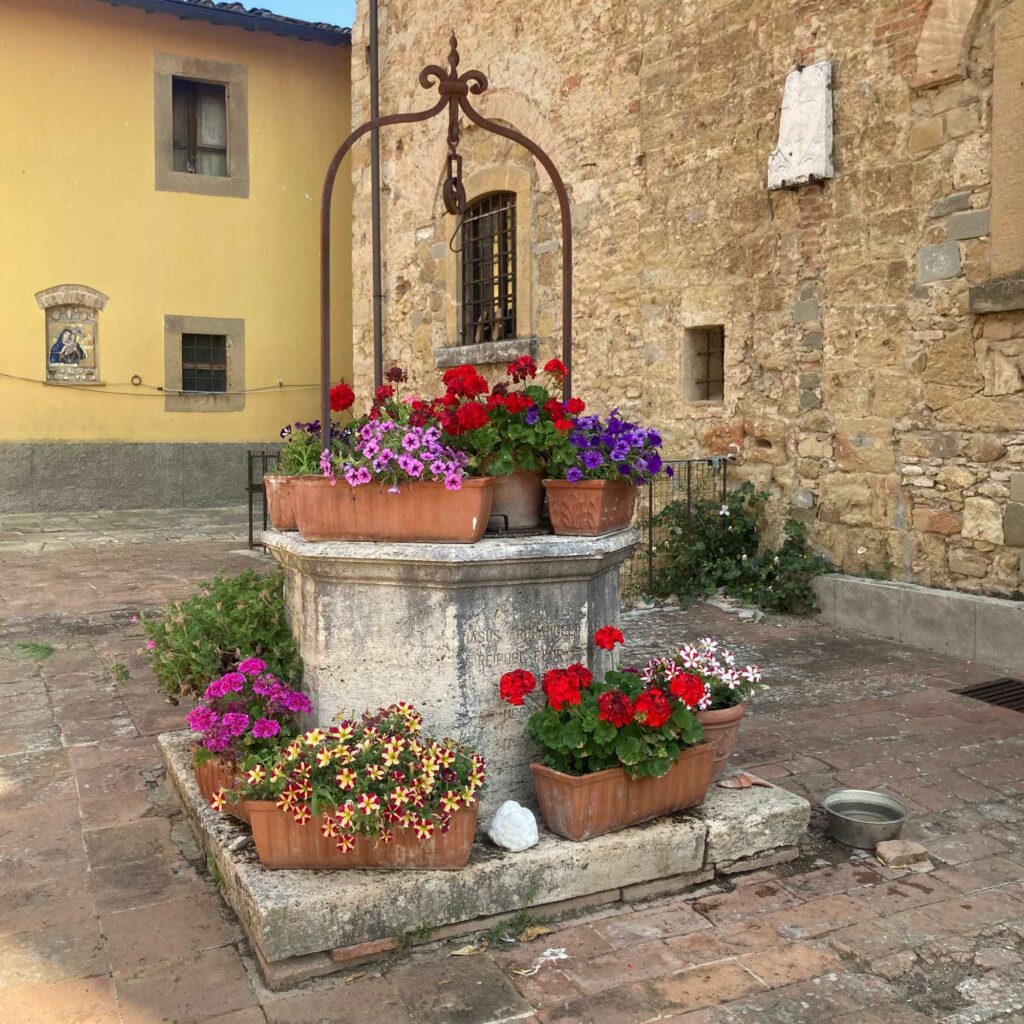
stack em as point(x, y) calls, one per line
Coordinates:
point(107, 913)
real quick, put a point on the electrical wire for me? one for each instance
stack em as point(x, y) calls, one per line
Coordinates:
point(155, 391)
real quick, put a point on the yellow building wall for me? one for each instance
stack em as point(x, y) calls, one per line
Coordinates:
point(78, 206)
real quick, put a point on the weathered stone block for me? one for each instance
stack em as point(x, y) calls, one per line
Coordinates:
point(983, 520)
point(804, 150)
point(71, 477)
point(16, 492)
point(939, 262)
point(824, 588)
point(744, 823)
point(1017, 487)
point(439, 624)
point(1000, 626)
point(805, 310)
point(151, 476)
point(925, 136)
point(942, 521)
point(871, 606)
point(951, 204)
point(215, 474)
point(1013, 525)
point(998, 294)
point(973, 224)
point(936, 621)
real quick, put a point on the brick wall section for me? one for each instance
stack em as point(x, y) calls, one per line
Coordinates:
point(858, 387)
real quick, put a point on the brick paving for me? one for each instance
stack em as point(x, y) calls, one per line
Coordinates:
point(107, 913)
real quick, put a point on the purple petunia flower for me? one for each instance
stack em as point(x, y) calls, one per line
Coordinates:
point(574, 474)
point(532, 415)
point(591, 458)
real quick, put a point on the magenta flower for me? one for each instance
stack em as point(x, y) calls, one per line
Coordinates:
point(252, 667)
point(150, 645)
point(264, 728)
point(201, 718)
point(235, 722)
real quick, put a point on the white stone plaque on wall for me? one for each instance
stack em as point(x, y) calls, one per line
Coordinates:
point(804, 150)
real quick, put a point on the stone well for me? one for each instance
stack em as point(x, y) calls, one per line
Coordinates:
point(438, 624)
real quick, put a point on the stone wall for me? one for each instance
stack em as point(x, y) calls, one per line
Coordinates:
point(860, 388)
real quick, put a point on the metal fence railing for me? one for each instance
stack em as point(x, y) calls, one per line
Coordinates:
point(259, 463)
point(692, 480)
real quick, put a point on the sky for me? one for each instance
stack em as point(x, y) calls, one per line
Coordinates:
point(334, 12)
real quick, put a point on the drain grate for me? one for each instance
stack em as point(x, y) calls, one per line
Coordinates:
point(1004, 693)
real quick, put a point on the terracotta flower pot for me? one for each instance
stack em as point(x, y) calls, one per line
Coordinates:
point(213, 774)
point(583, 806)
point(281, 843)
point(590, 508)
point(278, 492)
point(519, 498)
point(421, 511)
point(721, 730)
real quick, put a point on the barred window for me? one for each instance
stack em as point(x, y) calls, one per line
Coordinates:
point(204, 363)
point(704, 363)
point(489, 269)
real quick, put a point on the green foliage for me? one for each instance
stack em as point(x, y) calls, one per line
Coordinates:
point(301, 454)
point(119, 670)
point(227, 619)
point(712, 545)
point(577, 741)
point(34, 649)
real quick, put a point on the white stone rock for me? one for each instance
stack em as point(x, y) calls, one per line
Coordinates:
point(804, 151)
point(514, 827)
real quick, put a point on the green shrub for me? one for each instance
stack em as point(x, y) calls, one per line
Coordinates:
point(227, 619)
point(712, 545)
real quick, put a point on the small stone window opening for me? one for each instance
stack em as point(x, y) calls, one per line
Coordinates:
point(704, 363)
point(200, 128)
point(488, 237)
point(204, 363)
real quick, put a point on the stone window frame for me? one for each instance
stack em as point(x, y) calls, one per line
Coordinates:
point(233, 400)
point(478, 184)
point(235, 79)
point(687, 362)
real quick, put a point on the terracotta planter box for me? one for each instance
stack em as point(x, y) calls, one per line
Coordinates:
point(281, 843)
point(590, 507)
point(278, 493)
point(583, 806)
point(213, 774)
point(420, 511)
point(519, 498)
point(722, 730)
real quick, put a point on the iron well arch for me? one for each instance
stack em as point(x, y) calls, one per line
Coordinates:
point(454, 91)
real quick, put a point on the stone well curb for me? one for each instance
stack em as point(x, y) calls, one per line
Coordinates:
point(968, 626)
point(293, 916)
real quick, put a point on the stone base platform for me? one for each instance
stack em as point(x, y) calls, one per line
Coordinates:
point(306, 923)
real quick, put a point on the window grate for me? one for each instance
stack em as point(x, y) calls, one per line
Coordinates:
point(489, 269)
point(1004, 693)
point(204, 363)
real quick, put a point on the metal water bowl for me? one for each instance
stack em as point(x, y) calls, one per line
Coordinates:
point(862, 818)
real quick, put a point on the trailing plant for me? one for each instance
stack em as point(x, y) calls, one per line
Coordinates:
point(708, 666)
point(369, 776)
point(710, 545)
point(301, 453)
point(246, 711)
point(228, 618)
point(622, 721)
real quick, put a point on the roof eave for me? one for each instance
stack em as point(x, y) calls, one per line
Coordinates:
point(291, 28)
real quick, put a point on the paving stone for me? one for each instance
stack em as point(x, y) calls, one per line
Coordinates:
point(48, 955)
point(981, 874)
point(461, 990)
point(621, 967)
point(364, 1001)
point(173, 930)
point(627, 1006)
point(794, 962)
point(835, 878)
point(709, 985)
point(89, 1001)
point(205, 985)
point(744, 902)
point(964, 848)
point(632, 929)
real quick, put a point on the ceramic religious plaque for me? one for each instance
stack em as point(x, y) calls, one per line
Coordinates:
point(71, 321)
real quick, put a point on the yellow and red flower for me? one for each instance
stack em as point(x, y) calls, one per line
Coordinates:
point(218, 800)
point(346, 779)
point(302, 814)
point(346, 842)
point(314, 737)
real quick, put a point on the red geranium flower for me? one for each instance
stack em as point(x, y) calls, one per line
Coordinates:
point(518, 403)
point(472, 416)
point(555, 367)
point(688, 688)
point(582, 674)
point(652, 709)
point(607, 637)
point(516, 685)
point(464, 380)
point(342, 397)
point(575, 406)
point(384, 392)
point(522, 368)
point(563, 424)
point(553, 407)
point(615, 707)
point(561, 688)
